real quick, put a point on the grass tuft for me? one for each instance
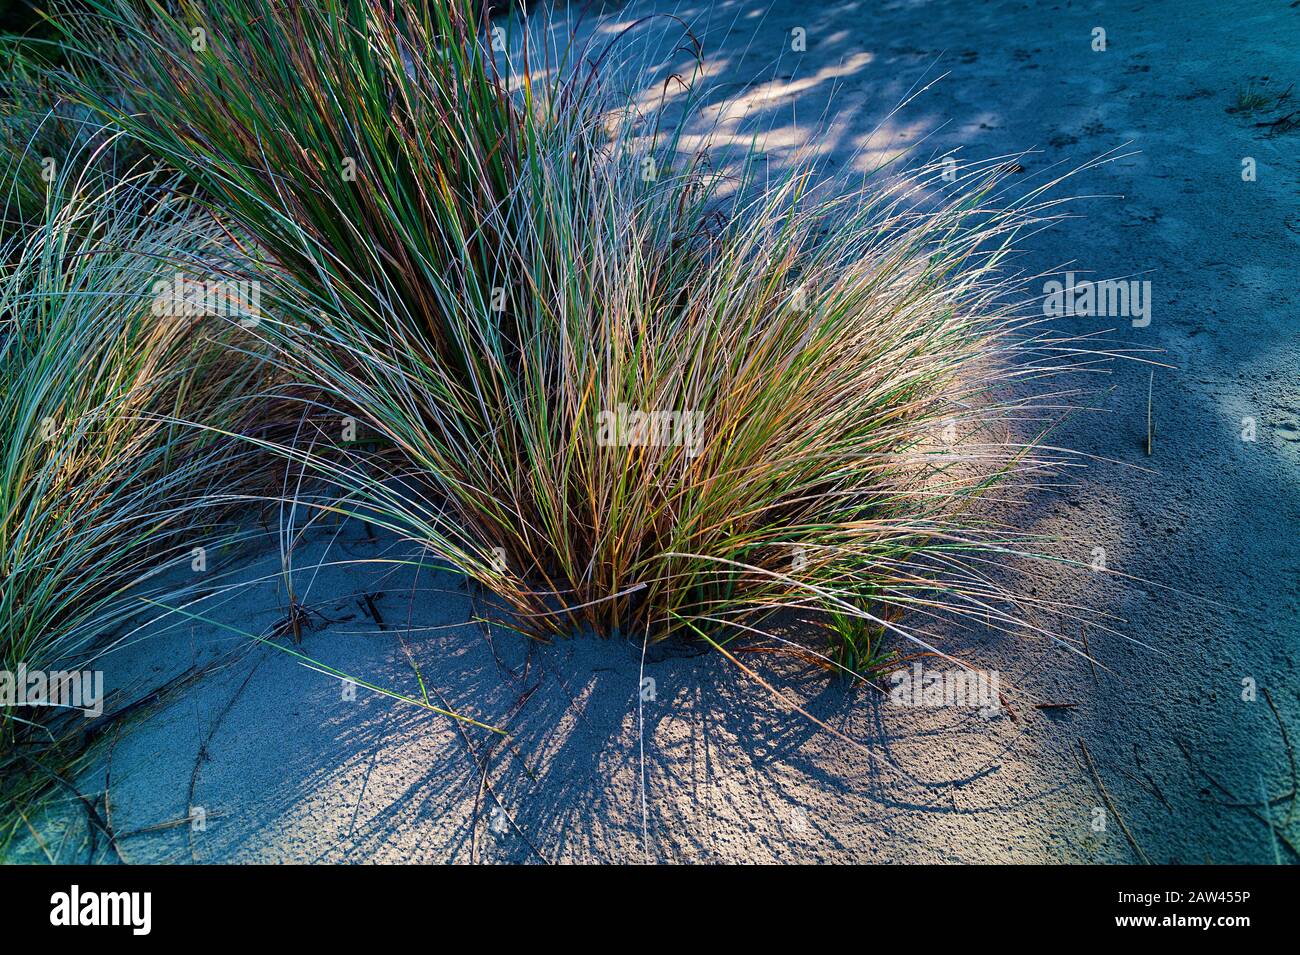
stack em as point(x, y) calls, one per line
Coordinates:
point(687, 403)
point(101, 491)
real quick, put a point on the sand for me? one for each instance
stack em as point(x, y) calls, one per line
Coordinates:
point(287, 768)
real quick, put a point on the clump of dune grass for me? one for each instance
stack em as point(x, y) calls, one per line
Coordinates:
point(691, 404)
point(101, 491)
point(1249, 98)
point(859, 647)
point(621, 392)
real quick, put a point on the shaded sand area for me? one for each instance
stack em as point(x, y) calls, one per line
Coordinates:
point(286, 764)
